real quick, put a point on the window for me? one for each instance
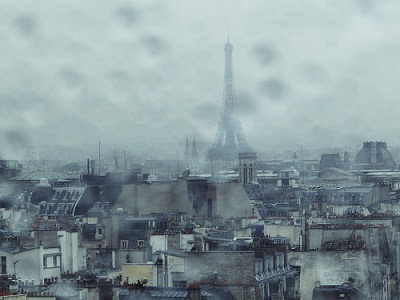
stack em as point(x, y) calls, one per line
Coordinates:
point(60, 208)
point(124, 244)
point(140, 243)
point(4, 265)
point(50, 261)
point(100, 231)
point(69, 208)
point(49, 208)
point(42, 208)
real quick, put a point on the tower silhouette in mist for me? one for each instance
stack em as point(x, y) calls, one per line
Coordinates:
point(191, 157)
point(230, 139)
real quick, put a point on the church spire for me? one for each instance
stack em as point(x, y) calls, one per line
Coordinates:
point(195, 155)
point(186, 156)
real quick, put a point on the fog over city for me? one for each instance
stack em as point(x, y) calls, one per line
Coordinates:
point(202, 150)
point(150, 73)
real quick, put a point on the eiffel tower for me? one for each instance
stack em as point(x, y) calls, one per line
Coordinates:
point(229, 140)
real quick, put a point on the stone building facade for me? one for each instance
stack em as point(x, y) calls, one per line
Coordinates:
point(247, 167)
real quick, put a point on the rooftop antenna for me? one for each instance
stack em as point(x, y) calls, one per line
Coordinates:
point(125, 165)
point(99, 159)
point(177, 163)
point(116, 161)
point(302, 163)
point(212, 168)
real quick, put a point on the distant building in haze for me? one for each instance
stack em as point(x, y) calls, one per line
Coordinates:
point(374, 156)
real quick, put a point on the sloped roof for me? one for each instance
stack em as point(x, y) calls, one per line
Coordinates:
point(337, 171)
point(174, 293)
point(177, 294)
point(97, 210)
point(327, 292)
point(62, 290)
point(37, 175)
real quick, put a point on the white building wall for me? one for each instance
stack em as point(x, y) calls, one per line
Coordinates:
point(290, 231)
point(51, 263)
point(159, 242)
point(28, 264)
point(74, 253)
point(183, 243)
point(73, 257)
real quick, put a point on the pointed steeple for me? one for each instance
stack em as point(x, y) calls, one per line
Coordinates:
point(195, 155)
point(186, 156)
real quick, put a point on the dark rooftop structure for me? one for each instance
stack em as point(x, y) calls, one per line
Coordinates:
point(374, 156)
point(330, 161)
point(9, 168)
point(331, 292)
point(35, 176)
point(63, 291)
point(143, 292)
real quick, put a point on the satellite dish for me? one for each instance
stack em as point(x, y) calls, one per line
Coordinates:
point(145, 280)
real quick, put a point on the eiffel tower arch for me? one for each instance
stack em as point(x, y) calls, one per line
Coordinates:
point(230, 139)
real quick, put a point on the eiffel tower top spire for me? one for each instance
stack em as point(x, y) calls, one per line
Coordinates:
point(230, 139)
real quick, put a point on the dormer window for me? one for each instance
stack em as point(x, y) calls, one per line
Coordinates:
point(60, 208)
point(124, 244)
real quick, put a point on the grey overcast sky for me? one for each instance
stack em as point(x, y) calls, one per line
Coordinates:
point(317, 73)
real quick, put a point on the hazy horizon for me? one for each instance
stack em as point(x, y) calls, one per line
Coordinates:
point(150, 73)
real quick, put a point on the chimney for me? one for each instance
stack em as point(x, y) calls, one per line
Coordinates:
point(160, 275)
point(165, 270)
point(149, 253)
point(105, 291)
point(93, 165)
point(194, 292)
